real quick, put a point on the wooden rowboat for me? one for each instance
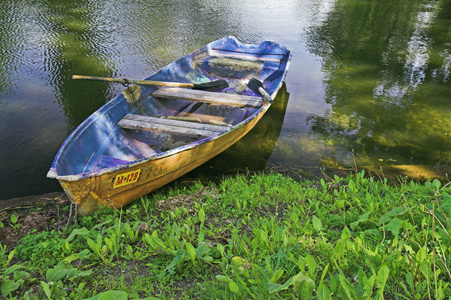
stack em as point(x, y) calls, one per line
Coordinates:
point(150, 135)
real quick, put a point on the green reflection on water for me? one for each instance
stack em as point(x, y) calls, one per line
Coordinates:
point(387, 69)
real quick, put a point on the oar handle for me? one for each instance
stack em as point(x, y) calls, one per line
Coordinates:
point(133, 81)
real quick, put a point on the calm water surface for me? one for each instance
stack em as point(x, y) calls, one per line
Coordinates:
point(369, 79)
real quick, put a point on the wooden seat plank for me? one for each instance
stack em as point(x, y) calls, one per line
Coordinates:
point(139, 122)
point(208, 97)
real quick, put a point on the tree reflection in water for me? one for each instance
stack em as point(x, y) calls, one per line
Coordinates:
point(387, 80)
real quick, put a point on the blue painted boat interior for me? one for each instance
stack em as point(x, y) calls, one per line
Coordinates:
point(99, 144)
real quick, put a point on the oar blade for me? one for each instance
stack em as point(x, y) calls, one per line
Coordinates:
point(212, 85)
point(254, 84)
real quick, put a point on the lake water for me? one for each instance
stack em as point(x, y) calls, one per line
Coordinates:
point(369, 80)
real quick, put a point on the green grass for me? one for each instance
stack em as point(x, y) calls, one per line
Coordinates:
point(259, 236)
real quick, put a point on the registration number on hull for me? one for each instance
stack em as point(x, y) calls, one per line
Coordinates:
point(126, 178)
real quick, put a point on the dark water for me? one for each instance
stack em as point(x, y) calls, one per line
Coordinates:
point(369, 79)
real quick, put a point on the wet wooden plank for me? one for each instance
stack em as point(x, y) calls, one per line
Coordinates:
point(139, 122)
point(208, 97)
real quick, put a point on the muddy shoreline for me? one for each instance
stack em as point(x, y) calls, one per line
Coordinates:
point(391, 172)
point(28, 200)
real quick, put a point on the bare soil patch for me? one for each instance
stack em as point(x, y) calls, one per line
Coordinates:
point(34, 215)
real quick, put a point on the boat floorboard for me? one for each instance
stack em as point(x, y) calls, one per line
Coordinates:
point(208, 97)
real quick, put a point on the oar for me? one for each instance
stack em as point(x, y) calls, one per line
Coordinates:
point(256, 86)
point(207, 86)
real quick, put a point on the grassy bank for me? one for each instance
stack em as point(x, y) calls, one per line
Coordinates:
point(249, 237)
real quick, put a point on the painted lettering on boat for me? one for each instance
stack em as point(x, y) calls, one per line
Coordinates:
point(126, 178)
point(154, 171)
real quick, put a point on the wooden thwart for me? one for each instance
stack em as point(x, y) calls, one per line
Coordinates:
point(139, 122)
point(208, 97)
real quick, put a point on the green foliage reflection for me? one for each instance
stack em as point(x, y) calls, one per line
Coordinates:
point(387, 79)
